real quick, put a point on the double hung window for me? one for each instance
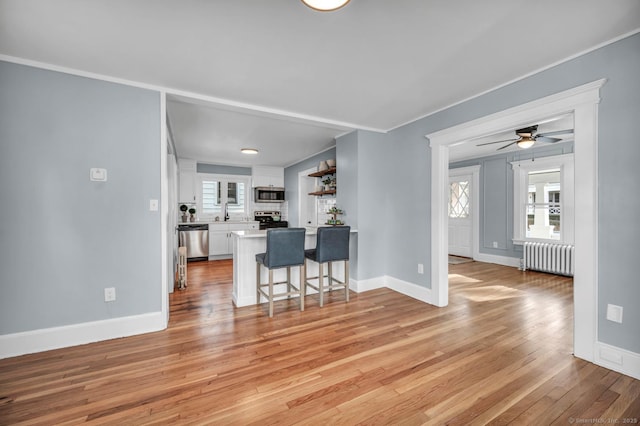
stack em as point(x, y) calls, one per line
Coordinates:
point(543, 199)
point(220, 195)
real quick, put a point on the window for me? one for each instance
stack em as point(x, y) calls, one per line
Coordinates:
point(218, 191)
point(543, 218)
point(543, 199)
point(459, 200)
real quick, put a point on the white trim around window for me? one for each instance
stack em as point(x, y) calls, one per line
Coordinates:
point(521, 170)
point(246, 180)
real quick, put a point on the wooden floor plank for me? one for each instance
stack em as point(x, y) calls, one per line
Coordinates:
point(500, 353)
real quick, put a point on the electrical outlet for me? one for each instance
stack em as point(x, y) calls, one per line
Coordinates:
point(109, 294)
point(495, 244)
point(420, 268)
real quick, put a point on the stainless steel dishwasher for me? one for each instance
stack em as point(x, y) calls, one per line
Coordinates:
point(196, 239)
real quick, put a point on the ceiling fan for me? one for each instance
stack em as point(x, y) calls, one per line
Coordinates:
point(528, 136)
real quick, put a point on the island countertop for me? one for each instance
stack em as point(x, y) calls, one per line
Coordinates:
point(248, 243)
point(257, 233)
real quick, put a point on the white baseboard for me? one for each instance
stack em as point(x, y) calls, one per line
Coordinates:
point(360, 286)
point(79, 334)
point(617, 359)
point(409, 289)
point(498, 260)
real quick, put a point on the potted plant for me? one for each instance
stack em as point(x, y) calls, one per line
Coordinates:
point(192, 213)
point(183, 209)
point(327, 184)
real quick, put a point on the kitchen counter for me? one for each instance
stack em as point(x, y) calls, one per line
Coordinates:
point(220, 222)
point(248, 243)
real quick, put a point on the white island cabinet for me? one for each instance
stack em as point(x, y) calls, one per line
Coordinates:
point(246, 244)
point(220, 242)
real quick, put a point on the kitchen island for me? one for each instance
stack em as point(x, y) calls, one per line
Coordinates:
point(246, 244)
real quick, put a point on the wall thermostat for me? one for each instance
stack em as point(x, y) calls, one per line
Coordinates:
point(98, 175)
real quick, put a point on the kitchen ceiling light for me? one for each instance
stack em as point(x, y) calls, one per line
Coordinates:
point(249, 151)
point(526, 142)
point(325, 5)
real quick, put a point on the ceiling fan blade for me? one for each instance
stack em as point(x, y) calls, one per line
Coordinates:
point(546, 139)
point(490, 143)
point(508, 145)
point(555, 133)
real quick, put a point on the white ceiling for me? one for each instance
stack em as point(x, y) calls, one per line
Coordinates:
point(470, 149)
point(280, 76)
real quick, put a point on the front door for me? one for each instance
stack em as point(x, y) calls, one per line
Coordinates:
point(460, 219)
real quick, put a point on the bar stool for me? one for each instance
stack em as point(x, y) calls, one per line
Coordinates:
point(332, 244)
point(285, 248)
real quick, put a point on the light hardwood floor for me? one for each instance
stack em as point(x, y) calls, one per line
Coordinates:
point(500, 353)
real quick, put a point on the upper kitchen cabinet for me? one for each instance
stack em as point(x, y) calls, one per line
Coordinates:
point(264, 176)
point(187, 176)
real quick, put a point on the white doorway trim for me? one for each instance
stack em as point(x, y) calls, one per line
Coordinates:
point(583, 102)
point(474, 171)
point(303, 177)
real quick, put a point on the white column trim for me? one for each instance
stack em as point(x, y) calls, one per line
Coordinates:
point(164, 212)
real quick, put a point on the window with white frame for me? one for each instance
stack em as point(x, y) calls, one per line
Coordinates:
point(220, 194)
point(543, 199)
point(459, 199)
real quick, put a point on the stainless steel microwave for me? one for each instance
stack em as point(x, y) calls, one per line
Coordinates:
point(268, 194)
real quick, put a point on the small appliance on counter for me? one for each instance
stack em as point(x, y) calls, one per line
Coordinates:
point(270, 219)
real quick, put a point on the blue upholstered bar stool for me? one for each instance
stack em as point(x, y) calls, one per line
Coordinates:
point(332, 245)
point(285, 248)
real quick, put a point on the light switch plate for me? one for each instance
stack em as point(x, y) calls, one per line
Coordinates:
point(153, 205)
point(98, 175)
point(614, 313)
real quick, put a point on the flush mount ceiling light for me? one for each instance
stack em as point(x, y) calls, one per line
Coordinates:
point(249, 151)
point(325, 5)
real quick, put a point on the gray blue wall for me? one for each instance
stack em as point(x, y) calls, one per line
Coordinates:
point(618, 172)
point(291, 181)
point(63, 239)
point(393, 181)
point(222, 170)
point(496, 196)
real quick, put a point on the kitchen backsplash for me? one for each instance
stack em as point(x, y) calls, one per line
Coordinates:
point(283, 208)
point(324, 205)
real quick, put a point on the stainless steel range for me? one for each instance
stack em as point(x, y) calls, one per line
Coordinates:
point(270, 219)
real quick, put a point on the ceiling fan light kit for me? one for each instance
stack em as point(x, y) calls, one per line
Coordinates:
point(325, 5)
point(527, 137)
point(525, 142)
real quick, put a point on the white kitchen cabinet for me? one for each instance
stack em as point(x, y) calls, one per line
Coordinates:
point(187, 170)
point(267, 176)
point(220, 241)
